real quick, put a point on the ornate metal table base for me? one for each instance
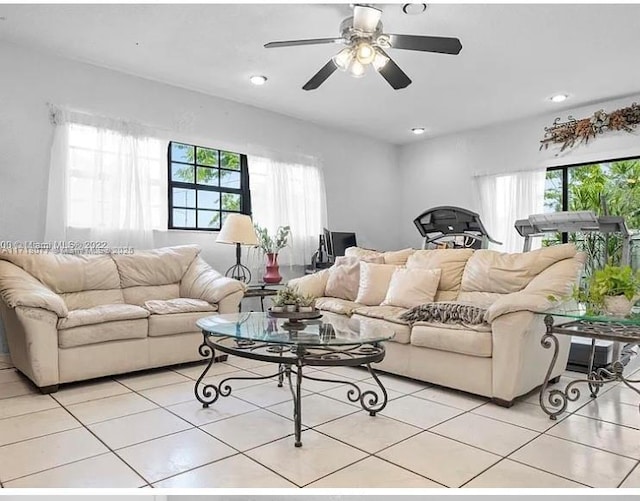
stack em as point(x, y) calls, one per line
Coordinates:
point(559, 399)
point(291, 360)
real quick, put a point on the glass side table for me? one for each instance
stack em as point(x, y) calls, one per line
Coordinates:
point(261, 290)
point(597, 327)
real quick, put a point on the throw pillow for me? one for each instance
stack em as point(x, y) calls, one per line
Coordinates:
point(344, 277)
point(374, 282)
point(409, 288)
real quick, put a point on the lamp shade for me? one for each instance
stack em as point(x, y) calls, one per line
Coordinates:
point(238, 229)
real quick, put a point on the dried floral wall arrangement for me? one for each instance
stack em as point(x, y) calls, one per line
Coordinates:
point(574, 132)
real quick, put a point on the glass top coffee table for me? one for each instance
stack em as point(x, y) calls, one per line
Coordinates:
point(577, 322)
point(329, 340)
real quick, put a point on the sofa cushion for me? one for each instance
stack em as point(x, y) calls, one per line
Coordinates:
point(398, 257)
point(452, 262)
point(175, 323)
point(88, 299)
point(68, 272)
point(465, 339)
point(179, 305)
point(361, 253)
point(491, 271)
point(107, 331)
point(335, 305)
point(390, 315)
point(101, 314)
point(155, 267)
point(374, 283)
point(409, 288)
point(142, 294)
point(344, 277)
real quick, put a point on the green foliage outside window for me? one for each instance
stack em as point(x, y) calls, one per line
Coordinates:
point(591, 187)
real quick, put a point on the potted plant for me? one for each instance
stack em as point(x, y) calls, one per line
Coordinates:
point(287, 299)
point(615, 289)
point(306, 303)
point(278, 304)
point(271, 246)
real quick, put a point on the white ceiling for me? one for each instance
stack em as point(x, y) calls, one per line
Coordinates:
point(513, 58)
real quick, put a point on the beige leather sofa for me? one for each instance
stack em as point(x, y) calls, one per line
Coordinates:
point(503, 357)
point(76, 317)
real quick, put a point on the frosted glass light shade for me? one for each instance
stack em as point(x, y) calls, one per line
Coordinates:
point(238, 229)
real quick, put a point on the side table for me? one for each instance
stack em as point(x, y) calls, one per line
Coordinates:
point(623, 330)
point(261, 290)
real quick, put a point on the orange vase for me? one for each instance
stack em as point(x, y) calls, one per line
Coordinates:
point(272, 275)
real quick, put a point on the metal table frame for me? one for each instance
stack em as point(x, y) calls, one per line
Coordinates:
point(558, 399)
point(291, 359)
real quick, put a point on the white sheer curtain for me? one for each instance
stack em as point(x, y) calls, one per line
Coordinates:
point(506, 198)
point(293, 194)
point(107, 182)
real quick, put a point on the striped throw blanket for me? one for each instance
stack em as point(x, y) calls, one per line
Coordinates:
point(445, 313)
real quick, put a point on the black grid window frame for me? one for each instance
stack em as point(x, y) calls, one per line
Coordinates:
point(243, 191)
point(565, 181)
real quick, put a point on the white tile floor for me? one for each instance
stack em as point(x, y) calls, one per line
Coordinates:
point(147, 430)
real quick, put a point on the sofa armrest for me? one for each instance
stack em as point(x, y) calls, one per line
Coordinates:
point(519, 361)
point(556, 281)
point(313, 285)
point(19, 288)
point(201, 281)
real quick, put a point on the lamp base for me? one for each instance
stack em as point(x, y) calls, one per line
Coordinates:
point(239, 271)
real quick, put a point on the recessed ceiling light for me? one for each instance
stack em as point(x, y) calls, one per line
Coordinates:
point(418, 130)
point(258, 80)
point(413, 9)
point(558, 98)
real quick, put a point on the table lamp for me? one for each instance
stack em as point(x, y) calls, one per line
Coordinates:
point(238, 229)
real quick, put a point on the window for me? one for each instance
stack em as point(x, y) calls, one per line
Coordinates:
point(205, 185)
point(611, 184)
point(289, 193)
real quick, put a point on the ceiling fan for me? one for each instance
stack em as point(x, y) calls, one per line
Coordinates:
point(365, 45)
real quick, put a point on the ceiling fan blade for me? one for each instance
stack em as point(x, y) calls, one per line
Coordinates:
point(318, 79)
point(293, 43)
point(366, 18)
point(442, 45)
point(392, 73)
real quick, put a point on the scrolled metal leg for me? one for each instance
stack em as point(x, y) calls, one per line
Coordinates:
point(557, 398)
point(374, 405)
point(592, 375)
point(298, 406)
point(281, 371)
point(208, 393)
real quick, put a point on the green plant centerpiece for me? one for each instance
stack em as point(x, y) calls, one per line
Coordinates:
point(612, 290)
point(289, 301)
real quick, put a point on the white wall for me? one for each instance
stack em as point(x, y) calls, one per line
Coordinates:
point(440, 171)
point(359, 172)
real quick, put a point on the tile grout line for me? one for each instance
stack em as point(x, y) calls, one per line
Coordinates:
point(637, 466)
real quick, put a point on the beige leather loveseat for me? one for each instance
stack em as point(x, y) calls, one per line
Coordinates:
point(501, 358)
point(75, 317)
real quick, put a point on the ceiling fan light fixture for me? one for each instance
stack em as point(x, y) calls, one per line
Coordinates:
point(258, 79)
point(343, 58)
point(379, 60)
point(356, 69)
point(365, 53)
